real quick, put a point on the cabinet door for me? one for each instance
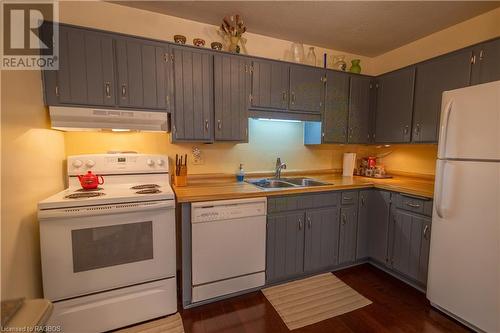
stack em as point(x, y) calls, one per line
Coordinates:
point(86, 69)
point(193, 95)
point(364, 214)
point(306, 89)
point(379, 207)
point(433, 77)
point(487, 62)
point(410, 248)
point(270, 84)
point(231, 97)
point(359, 109)
point(336, 109)
point(321, 239)
point(285, 245)
point(347, 237)
point(394, 106)
point(142, 73)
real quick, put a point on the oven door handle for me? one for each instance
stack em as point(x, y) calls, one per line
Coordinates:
point(105, 209)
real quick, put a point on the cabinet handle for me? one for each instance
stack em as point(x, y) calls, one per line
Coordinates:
point(124, 90)
point(107, 89)
point(219, 124)
point(362, 201)
point(405, 129)
point(292, 95)
point(417, 129)
point(481, 54)
point(344, 219)
point(347, 198)
point(309, 223)
point(426, 232)
point(206, 124)
point(283, 96)
point(409, 204)
point(246, 68)
point(300, 224)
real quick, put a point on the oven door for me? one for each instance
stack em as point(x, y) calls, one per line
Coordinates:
point(90, 249)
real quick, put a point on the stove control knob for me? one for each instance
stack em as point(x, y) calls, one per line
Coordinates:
point(161, 162)
point(150, 162)
point(89, 163)
point(77, 163)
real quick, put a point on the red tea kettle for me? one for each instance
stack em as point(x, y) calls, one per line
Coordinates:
point(90, 181)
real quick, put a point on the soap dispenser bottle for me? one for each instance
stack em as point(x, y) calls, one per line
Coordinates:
point(240, 175)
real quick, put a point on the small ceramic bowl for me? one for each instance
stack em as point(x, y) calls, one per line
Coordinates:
point(180, 39)
point(216, 46)
point(198, 42)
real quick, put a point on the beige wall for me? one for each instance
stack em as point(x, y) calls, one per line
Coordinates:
point(33, 155)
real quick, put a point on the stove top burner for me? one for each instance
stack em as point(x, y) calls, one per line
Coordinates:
point(145, 186)
point(89, 190)
point(83, 195)
point(149, 191)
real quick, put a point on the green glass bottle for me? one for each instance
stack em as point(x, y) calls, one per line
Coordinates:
point(355, 67)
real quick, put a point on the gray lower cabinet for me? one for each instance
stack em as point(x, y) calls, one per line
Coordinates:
point(486, 66)
point(410, 236)
point(321, 238)
point(86, 74)
point(306, 89)
point(232, 84)
point(142, 73)
point(359, 109)
point(433, 77)
point(347, 234)
point(193, 114)
point(379, 206)
point(394, 106)
point(285, 245)
point(270, 85)
point(364, 218)
point(336, 111)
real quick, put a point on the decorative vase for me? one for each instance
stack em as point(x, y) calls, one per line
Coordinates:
point(233, 44)
point(216, 46)
point(355, 67)
point(198, 42)
point(339, 62)
point(297, 50)
point(180, 39)
point(311, 57)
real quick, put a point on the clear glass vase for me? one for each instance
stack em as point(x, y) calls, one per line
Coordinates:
point(297, 50)
point(311, 57)
point(339, 62)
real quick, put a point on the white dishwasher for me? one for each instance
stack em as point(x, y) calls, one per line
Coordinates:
point(228, 246)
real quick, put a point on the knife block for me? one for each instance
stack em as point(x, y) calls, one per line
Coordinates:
point(181, 179)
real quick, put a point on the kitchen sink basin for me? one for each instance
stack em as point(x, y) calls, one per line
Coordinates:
point(273, 183)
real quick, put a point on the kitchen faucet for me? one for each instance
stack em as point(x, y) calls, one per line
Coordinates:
point(279, 166)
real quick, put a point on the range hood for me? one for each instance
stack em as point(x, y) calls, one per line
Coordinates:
point(88, 119)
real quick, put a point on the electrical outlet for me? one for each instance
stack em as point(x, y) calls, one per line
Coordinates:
point(197, 156)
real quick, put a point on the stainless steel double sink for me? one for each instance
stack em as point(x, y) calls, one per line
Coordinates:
point(275, 183)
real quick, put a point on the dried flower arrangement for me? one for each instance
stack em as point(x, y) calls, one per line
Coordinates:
point(232, 29)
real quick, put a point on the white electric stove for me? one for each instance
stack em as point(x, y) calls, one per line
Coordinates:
point(108, 254)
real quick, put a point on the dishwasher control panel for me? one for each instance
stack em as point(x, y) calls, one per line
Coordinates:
point(227, 209)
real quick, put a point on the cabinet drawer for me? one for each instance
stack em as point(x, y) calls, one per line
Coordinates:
point(350, 198)
point(302, 201)
point(413, 204)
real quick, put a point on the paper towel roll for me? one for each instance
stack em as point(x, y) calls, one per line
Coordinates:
point(348, 165)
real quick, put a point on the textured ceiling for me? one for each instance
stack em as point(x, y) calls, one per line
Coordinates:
point(367, 28)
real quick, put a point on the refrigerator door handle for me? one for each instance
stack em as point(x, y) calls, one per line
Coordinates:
point(439, 189)
point(444, 130)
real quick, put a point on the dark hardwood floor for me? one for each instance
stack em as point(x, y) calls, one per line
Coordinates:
point(396, 307)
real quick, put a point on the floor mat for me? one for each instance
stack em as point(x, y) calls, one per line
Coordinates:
point(171, 324)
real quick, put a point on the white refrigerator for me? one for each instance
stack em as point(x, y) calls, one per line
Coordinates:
point(464, 263)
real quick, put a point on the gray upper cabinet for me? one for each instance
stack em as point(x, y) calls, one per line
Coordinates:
point(86, 74)
point(359, 109)
point(410, 245)
point(321, 239)
point(336, 108)
point(347, 234)
point(394, 106)
point(379, 204)
point(193, 114)
point(270, 84)
point(285, 245)
point(486, 66)
point(433, 77)
point(232, 82)
point(142, 73)
point(364, 215)
point(306, 88)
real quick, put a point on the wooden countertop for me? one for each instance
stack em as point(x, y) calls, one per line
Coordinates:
point(225, 187)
